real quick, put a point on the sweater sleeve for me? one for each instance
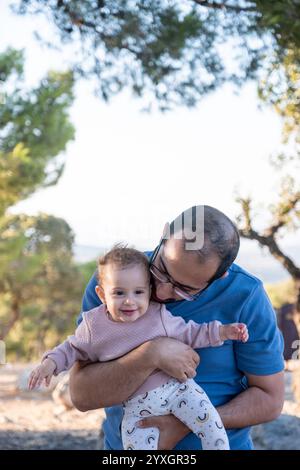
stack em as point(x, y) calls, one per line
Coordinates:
point(76, 348)
point(196, 335)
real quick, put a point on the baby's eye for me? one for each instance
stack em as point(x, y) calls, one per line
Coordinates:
point(119, 292)
point(139, 292)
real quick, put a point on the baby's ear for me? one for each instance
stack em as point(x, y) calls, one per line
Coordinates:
point(100, 292)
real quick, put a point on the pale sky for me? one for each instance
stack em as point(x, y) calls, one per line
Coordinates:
point(127, 173)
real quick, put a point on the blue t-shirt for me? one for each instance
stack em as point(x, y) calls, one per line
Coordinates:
point(239, 297)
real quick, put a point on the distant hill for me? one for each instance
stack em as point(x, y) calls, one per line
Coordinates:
point(252, 258)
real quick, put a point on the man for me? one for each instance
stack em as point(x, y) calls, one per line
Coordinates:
point(200, 282)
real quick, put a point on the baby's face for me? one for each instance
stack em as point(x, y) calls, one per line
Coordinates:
point(127, 292)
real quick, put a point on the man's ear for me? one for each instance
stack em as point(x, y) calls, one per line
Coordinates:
point(100, 293)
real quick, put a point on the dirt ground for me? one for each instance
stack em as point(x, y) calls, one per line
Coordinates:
point(31, 420)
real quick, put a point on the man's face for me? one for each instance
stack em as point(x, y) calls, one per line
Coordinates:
point(182, 269)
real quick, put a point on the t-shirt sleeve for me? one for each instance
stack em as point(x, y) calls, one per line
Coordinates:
point(90, 299)
point(262, 354)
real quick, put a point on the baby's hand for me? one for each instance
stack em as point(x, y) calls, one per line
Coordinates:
point(235, 331)
point(43, 371)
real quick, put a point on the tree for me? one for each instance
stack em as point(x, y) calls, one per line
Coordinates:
point(39, 282)
point(34, 129)
point(286, 215)
point(40, 285)
point(280, 88)
point(172, 52)
point(87, 269)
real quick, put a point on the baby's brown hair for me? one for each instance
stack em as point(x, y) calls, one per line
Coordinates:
point(122, 257)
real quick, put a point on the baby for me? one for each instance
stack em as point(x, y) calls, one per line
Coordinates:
point(126, 319)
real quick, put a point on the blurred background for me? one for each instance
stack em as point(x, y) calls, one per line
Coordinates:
point(114, 117)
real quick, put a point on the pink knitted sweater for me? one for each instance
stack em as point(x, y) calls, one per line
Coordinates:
point(100, 339)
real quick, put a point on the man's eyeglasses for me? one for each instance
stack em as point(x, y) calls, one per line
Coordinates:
point(163, 277)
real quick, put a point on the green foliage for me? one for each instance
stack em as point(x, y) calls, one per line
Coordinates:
point(280, 87)
point(172, 52)
point(11, 62)
point(282, 18)
point(168, 51)
point(40, 285)
point(34, 129)
point(281, 293)
point(87, 270)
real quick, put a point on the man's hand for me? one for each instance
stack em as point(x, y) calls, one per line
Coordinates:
point(171, 430)
point(175, 358)
point(120, 378)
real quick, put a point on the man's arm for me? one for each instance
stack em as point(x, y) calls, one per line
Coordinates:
point(261, 402)
point(106, 384)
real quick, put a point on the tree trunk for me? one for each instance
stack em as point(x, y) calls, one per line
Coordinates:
point(297, 282)
point(15, 315)
point(296, 316)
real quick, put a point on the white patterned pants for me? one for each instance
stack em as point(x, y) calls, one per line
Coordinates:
point(187, 401)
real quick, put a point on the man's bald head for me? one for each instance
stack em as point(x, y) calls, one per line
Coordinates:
point(208, 232)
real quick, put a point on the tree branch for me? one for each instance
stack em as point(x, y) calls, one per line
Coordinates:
point(15, 315)
point(281, 216)
point(246, 208)
point(74, 18)
point(223, 6)
point(268, 237)
point(274, 249)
